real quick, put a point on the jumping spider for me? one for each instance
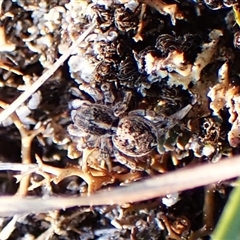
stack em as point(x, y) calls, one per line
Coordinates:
point(126, 136)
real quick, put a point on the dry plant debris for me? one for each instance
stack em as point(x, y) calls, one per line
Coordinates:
point(98, 94)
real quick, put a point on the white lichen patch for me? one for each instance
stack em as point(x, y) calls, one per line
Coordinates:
point(206, 56)
point(153, 67)
point(175, 62)
point(35, 100)
point(217, 94)
point(202, 60)
point(170, 199)
point(46, 22)
point(176, 68)
point(165, 9)
point(233, 105)
point(208, 150)
point(225, 95)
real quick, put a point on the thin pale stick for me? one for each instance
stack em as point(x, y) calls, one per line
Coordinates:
point(4, 166)
point(9, 228)
point(25, 95)
point(176, 181)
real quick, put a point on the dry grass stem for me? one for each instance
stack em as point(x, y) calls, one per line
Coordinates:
point(9, 228)
point(179, 180)
point(4, 166)
point(36, 85)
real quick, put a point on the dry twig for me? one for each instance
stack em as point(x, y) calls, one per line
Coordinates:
point(172, 182)
point(10, 227)
point(36, 85)
point(26, 141)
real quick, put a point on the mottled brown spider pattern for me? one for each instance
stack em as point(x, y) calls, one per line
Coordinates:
point(125, 136)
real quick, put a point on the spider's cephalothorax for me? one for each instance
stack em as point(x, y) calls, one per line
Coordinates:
point(92, 119)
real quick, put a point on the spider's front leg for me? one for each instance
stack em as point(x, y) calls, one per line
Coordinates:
point(96, 152)
point(172, 120)
point(73, 130)
point(105, 151)
point(108, 94)
point(121, 107)
point(181, 113)
point(96, 94)
point(129, 162)
point(77, 103)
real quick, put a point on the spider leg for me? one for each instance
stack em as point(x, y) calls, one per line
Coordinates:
point(121, 107)
point(127, 161)
point(148, 114)
point(75, 131)
point(172, 120)
point(105, 152)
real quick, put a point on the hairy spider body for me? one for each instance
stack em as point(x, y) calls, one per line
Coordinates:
point(115, 133)
point(135, 136)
